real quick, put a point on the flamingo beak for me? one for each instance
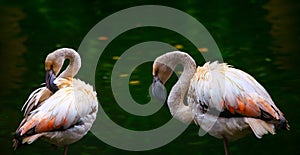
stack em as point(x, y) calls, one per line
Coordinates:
point(158, 89)
point(50, 77)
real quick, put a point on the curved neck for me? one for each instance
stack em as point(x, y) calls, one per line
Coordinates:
point(176, 97)
point(74, 65)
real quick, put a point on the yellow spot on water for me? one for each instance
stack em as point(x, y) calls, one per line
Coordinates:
point(115, 57)
point(202, 49)
point(58, 45)
point(268, 59)
point(123, 75)
point(103, 38)
point(179, 72)
point(178, 46)
point(134, 82)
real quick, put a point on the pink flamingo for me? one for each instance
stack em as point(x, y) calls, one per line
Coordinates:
point(64, 110)
point(225, 102)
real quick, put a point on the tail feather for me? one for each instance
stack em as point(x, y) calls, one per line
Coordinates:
point(32, 138)
point(283, 123)
point(260, 127)
point(16, 143)
point(19, 140)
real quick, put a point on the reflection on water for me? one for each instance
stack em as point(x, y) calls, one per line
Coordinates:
point(260, 38)
point(12, 48)
point(285, 32)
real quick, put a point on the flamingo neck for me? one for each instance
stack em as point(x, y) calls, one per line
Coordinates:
point(176, 97)
point(74, 65)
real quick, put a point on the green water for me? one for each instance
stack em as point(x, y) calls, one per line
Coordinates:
point(259, 37)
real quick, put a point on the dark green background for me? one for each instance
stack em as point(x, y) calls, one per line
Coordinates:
point(259, 37)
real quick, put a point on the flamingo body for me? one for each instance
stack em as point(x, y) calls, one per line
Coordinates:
point(241, 101)
point(225, 102)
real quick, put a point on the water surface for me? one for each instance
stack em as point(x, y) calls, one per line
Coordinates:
point(260, 38)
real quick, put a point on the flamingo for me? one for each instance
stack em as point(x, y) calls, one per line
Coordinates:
point(61, 112)
point(225, 102)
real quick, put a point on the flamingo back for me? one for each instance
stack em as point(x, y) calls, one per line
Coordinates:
point(218, 89)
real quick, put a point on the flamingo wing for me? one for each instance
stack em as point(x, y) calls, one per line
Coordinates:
point(61, 111)
point(233, 93)
point(35, 99)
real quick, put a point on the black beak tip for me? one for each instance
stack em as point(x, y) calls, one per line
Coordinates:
point(50, 77)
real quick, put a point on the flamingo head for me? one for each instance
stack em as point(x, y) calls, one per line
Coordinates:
point(53, 64)
point(161, 73)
